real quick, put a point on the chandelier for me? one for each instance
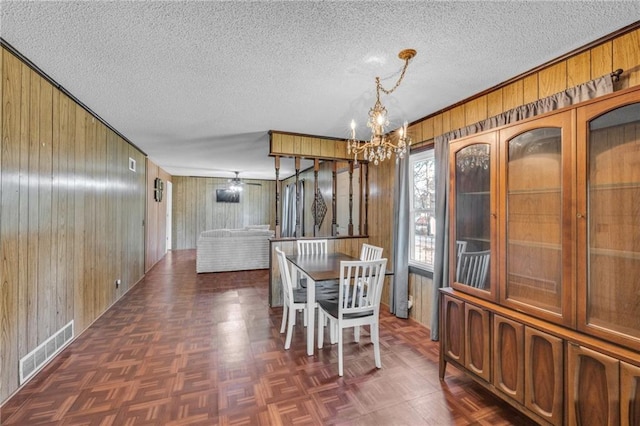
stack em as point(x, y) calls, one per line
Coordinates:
point(380, 147)
point(472, 156)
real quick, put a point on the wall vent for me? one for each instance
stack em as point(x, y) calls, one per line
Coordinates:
point(31, 363)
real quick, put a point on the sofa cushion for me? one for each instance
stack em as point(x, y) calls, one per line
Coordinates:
point(215, 233)
point(252, 233)
point(249, 227)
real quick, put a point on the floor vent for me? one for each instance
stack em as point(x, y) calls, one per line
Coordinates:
point(34, 360)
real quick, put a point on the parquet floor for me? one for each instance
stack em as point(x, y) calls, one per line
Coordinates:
point(188, 349)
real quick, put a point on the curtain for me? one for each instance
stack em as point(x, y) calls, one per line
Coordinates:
point(400, 287)
point(441, 258)
point(583, 92)
point(290, 210)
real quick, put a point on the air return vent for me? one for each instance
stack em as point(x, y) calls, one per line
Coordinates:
point(35, 359)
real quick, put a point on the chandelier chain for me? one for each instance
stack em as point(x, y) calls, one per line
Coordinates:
point(390, 91)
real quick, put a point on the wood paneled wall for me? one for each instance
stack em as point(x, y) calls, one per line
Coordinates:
point(297, 145)
point(71, 215)
point(156, 218)
point(195, 208)
point(381, 196)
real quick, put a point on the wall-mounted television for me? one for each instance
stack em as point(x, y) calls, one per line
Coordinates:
point(227, 196)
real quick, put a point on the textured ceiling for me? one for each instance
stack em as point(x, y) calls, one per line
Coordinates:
point(197, 85)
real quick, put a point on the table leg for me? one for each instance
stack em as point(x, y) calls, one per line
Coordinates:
point(311, 314)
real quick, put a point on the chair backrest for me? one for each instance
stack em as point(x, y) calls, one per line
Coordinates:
point(370, 252)
point(361, 287)
point(461, 247)
point(312, 246)
point(473, 267)
point(285, 275)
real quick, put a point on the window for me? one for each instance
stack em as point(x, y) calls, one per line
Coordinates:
point(422, 205)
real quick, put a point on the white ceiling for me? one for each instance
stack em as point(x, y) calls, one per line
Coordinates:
point(197, 85)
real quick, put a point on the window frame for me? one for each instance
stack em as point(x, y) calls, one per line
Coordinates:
point(424, 153)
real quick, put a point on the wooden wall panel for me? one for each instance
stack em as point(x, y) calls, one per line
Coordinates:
point(601, 59)
point(421, 291)
point(475, 111)
point(156, 216)
point(292, 145)
point(437, 125)
point(512, 95)
point(23, 102)
point(9, 223)
point(552, 80)
point(415, 132)
point(530, 89)
point(626, 55)
point(195, 209)
point(578, 69)
point(381, 195)
point(457, 117)
point(63, 206)
point(427, 129)
point(494, 103)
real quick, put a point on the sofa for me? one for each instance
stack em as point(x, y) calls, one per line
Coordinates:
point(219, 250)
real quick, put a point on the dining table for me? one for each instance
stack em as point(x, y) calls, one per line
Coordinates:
point(317, 268)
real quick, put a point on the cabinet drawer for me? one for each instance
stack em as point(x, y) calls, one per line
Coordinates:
point(508, 357)
point(543, 361)
point(454, 329)
point(593, 387)
point(477, 345)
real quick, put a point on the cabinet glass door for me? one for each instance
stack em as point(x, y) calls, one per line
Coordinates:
point(534, 225)
point(536, 190)
point(471, 217)
point(613, 225)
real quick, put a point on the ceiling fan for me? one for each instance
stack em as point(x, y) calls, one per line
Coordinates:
point(236, 184)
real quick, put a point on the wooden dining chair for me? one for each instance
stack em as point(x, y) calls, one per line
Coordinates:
point(355, 306)
point(293, 299)
point(312, 246)
point(370, 252)
point(473, 268)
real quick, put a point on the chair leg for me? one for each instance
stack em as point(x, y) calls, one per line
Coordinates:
point(321, 318)
point(332, 330)
point(340, 356)
point(292, 321)
point(375, 338)
point(356, 333)
point(285, 309)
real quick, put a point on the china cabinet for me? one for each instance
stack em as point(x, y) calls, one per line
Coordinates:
point(552, 325)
